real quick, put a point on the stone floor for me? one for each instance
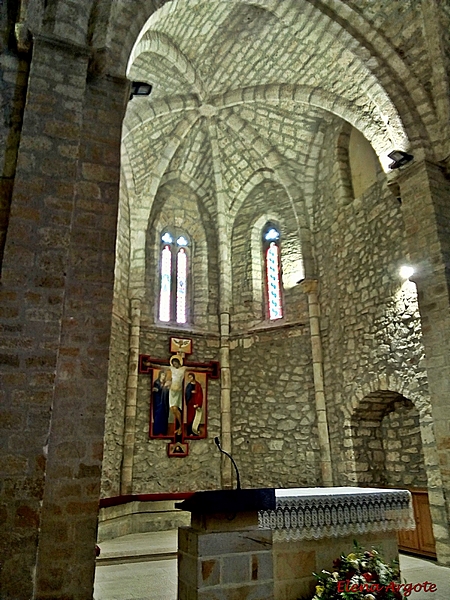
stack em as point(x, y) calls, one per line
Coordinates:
point(143, 566)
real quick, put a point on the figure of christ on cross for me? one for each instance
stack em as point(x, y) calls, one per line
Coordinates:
point(176, 383)
point(176, 393)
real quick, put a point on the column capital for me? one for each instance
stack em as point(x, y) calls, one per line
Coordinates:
point(136, 293)
point(309, 286)
point(50, 39)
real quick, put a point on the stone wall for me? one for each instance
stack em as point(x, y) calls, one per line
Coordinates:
point(225, 564)
point(115, 407)
point(273, 413)
point(402, 445)
point(57, 271)
point(153, 471)
point(178, 207)
point(387, 442)
point(370, 320)
point(118, 356)
point(267, 202)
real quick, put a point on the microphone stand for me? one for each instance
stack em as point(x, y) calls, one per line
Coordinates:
point(238, 479)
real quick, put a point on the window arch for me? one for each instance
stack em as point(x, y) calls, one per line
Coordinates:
point(174, 277)
point(272, 271)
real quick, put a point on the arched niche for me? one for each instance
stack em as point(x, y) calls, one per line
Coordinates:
point(387, 445)
point(266, 202)
point(177, 207)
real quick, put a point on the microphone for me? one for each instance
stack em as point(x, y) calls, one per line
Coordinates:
point(238, 479)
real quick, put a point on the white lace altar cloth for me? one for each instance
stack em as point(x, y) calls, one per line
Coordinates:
point(315, 513)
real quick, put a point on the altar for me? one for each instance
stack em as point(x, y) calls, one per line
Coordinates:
point(267, 548)
point(313, 526)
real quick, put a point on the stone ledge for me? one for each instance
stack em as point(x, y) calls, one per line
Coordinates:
point(140, 517)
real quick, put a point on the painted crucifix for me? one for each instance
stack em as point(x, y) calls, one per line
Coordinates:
point(179, 394)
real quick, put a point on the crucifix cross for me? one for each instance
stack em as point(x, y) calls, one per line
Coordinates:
point(179, 392)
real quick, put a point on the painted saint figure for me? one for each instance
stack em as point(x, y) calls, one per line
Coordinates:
point(176, 392)
point(160, 404)
point(194, 403)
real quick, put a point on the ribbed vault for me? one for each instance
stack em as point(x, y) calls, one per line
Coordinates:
point(243, 86)
point(254, 71)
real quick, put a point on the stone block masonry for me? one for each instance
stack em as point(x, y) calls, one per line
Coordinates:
point(247, 564)
point(274, 418)
point(242, 124)
point(65, 208)
point(153, 471)
point(225, 565)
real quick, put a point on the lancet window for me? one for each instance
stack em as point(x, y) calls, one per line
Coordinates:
point(174, 277)
point(272, 272)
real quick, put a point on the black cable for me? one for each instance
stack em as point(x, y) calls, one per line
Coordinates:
point(238, 479)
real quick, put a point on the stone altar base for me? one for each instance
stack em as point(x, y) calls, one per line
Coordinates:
point(225, 558)
point(295, 561)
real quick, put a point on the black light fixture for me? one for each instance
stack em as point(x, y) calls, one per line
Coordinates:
point(400, 158)
point(140, 88)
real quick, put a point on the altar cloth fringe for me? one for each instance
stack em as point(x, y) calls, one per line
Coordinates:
point(335, 514)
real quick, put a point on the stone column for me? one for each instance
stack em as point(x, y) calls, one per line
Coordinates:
point(425, 193)
point(72, 486)
point(32, 296)
point(224, 309)
point(225, 396)
point(126, 482)
point(309, 287)
point(57, 292)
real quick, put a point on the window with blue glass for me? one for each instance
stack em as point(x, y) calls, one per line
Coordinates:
point(272, 272)
point(174, 275)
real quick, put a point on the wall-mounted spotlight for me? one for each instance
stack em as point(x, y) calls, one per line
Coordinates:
point(140, 88)
point(406, 271)
point(399, 158)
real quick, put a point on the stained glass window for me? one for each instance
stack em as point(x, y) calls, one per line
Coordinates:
point(167, 238)
point(166, 277)
point(181, 285)
point(174, 278)
point(273, 282)
point(271, 235)
point(271, 247)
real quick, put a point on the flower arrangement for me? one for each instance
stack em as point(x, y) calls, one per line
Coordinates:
point(361, 575)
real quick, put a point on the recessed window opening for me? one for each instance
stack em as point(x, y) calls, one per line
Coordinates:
point(272, 268)
point(174, 265)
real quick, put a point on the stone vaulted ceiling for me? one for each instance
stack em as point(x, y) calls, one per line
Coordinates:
point(245, 86)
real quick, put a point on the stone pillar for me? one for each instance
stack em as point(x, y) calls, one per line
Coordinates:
point(309, 287)
point(126, 482)
point(225, 397)
point(425, 193)
point(32, 299)
point(224, 309)
point(57, 287)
